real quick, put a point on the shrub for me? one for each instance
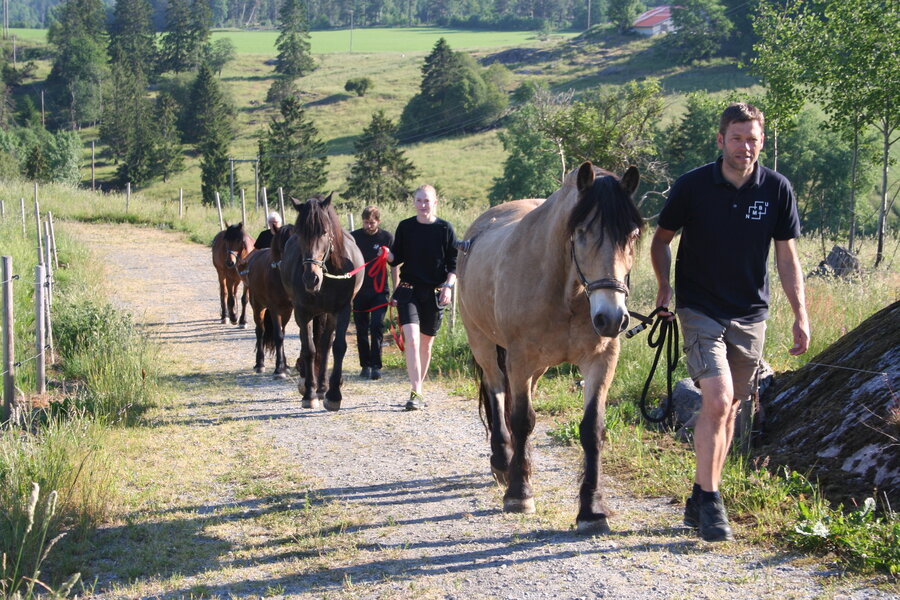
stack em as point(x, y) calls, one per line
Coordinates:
point(358, 85)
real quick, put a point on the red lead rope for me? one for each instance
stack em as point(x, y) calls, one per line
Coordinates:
point(378, 272)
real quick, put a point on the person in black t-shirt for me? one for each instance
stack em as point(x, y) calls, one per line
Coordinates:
point(728, 212)
point(369, 305)
point(264, 239)
point(425, 249)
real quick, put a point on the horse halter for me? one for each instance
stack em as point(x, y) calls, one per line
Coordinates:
point(606, 283)
point(321, 263)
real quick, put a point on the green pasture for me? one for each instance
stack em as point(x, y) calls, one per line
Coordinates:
point(399, 39)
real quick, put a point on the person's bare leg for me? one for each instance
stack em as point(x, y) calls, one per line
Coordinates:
point(426, 342)
point(412, 341)
point(711, 432)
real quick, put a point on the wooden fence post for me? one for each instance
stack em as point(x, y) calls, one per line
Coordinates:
point(40, 329)
point(265, 203)
point(350, 221)
point(3, 209)
point(49, 296)
point(281, 203)
point(219, 208)
point(37, 220)
point(180, 203)
point(243, 208)
point(22, 205)
point(53, 240)
point(127, 195)
point(9, 351)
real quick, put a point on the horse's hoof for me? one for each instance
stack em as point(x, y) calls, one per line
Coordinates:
point(257, 369)
point(233, 321)
point(501, 477)
point(517, 505)
point(242, 326)
point(597, 527)
point(332, 405)
point(320, 395)
point(281, 375)
point(311, 403)
point(223, 320)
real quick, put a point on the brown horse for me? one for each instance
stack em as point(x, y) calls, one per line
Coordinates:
point(272, 307)
point(229, 248)
point(318, 260)
point(543, 282)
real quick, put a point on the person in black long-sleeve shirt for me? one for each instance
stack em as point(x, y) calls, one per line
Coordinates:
point(369, 305)
point(425, 248)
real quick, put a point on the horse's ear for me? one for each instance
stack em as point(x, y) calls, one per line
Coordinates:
point(226, 224)
point(327, 200)
point(297, 204)
point(630, 180)
point(585, 176)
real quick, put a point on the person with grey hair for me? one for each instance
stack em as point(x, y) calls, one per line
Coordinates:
point(264, 239)
point(729, 212)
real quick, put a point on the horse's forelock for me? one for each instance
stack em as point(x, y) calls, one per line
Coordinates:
point(315, 221)
point(607, 203)
point(234, 233)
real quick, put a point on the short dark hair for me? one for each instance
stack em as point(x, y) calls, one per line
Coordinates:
point(371, 212)
point(740, 112)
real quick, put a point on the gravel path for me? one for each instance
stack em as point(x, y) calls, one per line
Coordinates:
point(421, 481)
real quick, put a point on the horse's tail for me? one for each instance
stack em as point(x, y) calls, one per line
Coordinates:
point(269, 325)
point(484, 396)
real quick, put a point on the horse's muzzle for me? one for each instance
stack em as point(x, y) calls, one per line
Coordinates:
point(610, 325)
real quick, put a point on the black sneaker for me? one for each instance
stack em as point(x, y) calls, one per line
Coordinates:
point(415, 402)
point(714, 525)
point(365, 373)
point(692, 513)
point(376, 373)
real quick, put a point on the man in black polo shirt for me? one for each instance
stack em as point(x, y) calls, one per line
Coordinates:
point(728, 212)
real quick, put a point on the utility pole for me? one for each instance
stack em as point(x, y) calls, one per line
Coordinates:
point(351, 31)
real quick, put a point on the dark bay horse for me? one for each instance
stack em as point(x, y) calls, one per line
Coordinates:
point(315, 270)
point(272, 307)
point(543, 282)
point(230, 247)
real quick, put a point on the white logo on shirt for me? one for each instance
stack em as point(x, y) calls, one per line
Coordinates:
point(756, 210)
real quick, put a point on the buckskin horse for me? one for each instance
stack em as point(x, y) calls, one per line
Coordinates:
point(230, 247)
point(272, 307)
point(322, 271)
point(543, 282)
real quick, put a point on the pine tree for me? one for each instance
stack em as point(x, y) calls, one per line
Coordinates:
point(168, 157)
point(187, 35)
point(131, 37)
point(123, 110)
point(381, 173)
point(291, 155)
point(213, 168)
point(294, 59)
point(36, 164)
point(442, 68)
point(208, 110)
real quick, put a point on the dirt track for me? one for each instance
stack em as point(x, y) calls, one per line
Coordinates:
point(420, 482)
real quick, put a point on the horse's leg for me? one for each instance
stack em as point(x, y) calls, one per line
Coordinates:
point(519, 497)
point(324, 332)
point(491, 360)
point(307, 351)
point(598, 374)
point(280, 317)
point(259, 318)
point(333, 396)
point(245, 296)
point(232, 292)
point(223, 292)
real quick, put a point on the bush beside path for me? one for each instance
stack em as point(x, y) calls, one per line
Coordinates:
point(231, 489)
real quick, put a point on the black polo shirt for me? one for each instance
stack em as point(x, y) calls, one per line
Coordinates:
point(721, 268)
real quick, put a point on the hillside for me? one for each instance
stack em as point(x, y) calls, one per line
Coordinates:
point(463, 166)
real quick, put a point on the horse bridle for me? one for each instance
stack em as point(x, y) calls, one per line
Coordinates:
point(606, 283)
point(321, 263)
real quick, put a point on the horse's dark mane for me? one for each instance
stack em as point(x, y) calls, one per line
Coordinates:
point(279, 240)
point(315, 221)
point(234, 233)
point(607, 202)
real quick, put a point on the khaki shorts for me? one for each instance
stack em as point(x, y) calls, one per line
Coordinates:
point(722, 349)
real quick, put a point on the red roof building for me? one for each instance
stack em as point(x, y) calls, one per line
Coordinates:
point(654, 21)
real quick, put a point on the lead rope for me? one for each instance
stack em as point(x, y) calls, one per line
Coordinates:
point(666, 337)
